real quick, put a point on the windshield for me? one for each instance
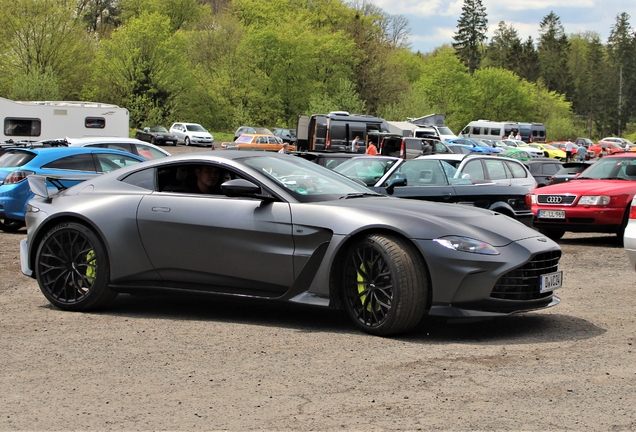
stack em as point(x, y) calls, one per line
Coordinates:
point(158, 129)
point(306, 181)
point(195, 128)
point(611, 168)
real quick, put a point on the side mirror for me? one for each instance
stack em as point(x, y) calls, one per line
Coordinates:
point(243, 188)
point(396, 182)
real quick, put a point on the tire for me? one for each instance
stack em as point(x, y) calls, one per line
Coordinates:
point(385, 285)
point(186, 141)
point(72, 268)
point(153, 140)
point(554, 234)
point(621, 231)
point(10, 225)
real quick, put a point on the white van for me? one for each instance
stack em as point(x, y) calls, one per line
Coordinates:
point(441, 133)
point(486, 129)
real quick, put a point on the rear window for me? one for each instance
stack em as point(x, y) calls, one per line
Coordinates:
point(16, 158)
point(82, 162)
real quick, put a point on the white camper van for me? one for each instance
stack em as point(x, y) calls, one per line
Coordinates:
point(486, 129)
point(37, 121)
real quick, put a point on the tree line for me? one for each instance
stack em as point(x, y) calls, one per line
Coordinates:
point(226, 63)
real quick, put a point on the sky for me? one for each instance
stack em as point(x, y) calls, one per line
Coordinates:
point(434, 22)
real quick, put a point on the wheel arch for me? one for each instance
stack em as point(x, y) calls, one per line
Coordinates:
point(503, 208)
point(337, 265)
point(46, 226)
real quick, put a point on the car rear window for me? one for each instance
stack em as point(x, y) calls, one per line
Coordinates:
point(16, 158)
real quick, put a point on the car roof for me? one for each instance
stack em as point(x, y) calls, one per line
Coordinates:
point(102, 139)
point(52, 153)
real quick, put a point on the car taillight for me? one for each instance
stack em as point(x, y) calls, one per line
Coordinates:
point(632, 209)
point(529, 198)
point(328, 145)
point(17, 176)
point(403, 150)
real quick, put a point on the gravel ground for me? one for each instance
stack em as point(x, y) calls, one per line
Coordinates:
point(167, 363)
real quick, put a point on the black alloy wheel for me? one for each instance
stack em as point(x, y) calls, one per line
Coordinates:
point(72, 268)
point(385, 285)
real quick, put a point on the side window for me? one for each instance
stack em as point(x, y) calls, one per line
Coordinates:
point(22, 127)
point(120, 147)
point(496, 169)
point(517, 170)
point(474, 170)
point(111, 162)
point(95, 122)
point(496, 132)
point(551, 169)
point(144, 179)
point(194, 178)
point(476, 130)
point(466, 130)
point(148, 152)
point(81, 162)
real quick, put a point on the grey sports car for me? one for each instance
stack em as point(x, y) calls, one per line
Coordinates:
point(282, 228)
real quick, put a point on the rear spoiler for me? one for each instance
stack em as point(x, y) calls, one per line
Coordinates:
point(40, 184)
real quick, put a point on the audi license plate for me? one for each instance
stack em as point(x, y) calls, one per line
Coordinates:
point(551, 214)
point(551, 281)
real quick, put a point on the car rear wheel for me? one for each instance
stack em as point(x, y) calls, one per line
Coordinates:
point(385, 285)
point(186, 141)
point(10, 225)
point(153, 140)
point(72, 268)
point(553, 234)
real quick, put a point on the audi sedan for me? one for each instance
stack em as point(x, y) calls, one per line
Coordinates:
point(282, 228)
point(598, 200)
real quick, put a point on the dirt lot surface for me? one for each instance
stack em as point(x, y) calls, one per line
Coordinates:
point(167, 363)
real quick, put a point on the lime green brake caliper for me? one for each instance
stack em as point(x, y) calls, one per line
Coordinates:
point(91, 268)
point(361, 287)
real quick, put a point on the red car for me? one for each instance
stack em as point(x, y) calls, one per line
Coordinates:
point(610, 147)
point(598, 200)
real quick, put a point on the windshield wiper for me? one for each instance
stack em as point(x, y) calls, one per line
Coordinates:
point(360, 195)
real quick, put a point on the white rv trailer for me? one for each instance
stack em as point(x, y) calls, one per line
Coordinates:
point(37, 121)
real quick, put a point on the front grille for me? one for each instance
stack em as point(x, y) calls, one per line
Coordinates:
point(522, 283)
point(556, 199)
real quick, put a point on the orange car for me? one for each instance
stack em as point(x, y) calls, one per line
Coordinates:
point(610, 147)
point(257, 142)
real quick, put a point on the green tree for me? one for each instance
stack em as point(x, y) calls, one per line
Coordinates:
point(141, 67)
point(621, 47)
point(471, 34)
point(497, 94)
point(528, 65)
point(553, 52)
point(504, 48)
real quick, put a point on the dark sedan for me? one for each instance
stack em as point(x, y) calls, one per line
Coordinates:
point(569, 171)
point(435, 180)
point(157, 135)
point(282, 228)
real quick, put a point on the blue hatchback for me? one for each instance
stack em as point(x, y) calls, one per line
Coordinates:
point(477, 146)
point(17, 164)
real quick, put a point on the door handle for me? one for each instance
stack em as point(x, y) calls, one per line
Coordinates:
point(161, 209)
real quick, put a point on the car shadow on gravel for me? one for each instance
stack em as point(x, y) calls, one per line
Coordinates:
point(598, 240)
point(517, 329)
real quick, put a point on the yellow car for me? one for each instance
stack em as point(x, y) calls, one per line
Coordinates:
point(256, 142)
point(550, 151)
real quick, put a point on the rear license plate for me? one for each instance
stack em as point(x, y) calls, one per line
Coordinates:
point(551, 281)
point(551, 214)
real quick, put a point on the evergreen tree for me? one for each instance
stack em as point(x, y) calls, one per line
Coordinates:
point(621, 47)
point(471, 34)
point(504, 48)
point(553, 51)
point(528, 64)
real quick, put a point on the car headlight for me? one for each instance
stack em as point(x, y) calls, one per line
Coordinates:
point(594, 200)
point(466, 244)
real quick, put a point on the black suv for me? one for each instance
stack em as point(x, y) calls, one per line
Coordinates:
point(410, 148)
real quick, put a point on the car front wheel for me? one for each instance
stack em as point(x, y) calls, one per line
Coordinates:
point(72, 268)
point(186, 141)
point(385, 285)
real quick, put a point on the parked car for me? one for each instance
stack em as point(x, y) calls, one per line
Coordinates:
point(251, 130)
point(478, 145)
point(17, 164)
point(287, 135)
point(310, 236)
point(535, 152)
point(624, 143)
point(192, 133)
point(410, 148)
point(542, 169)
point(598, 200)
point(483, 168)
point(550, 151)
point(460, 148)
point(259, 142)
point(157, 135)
point(585, 142)
point(516, 153)
point(610, 148)
point(436, 180)
point(130, 145)
point(589, 154)
point(569, 171)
